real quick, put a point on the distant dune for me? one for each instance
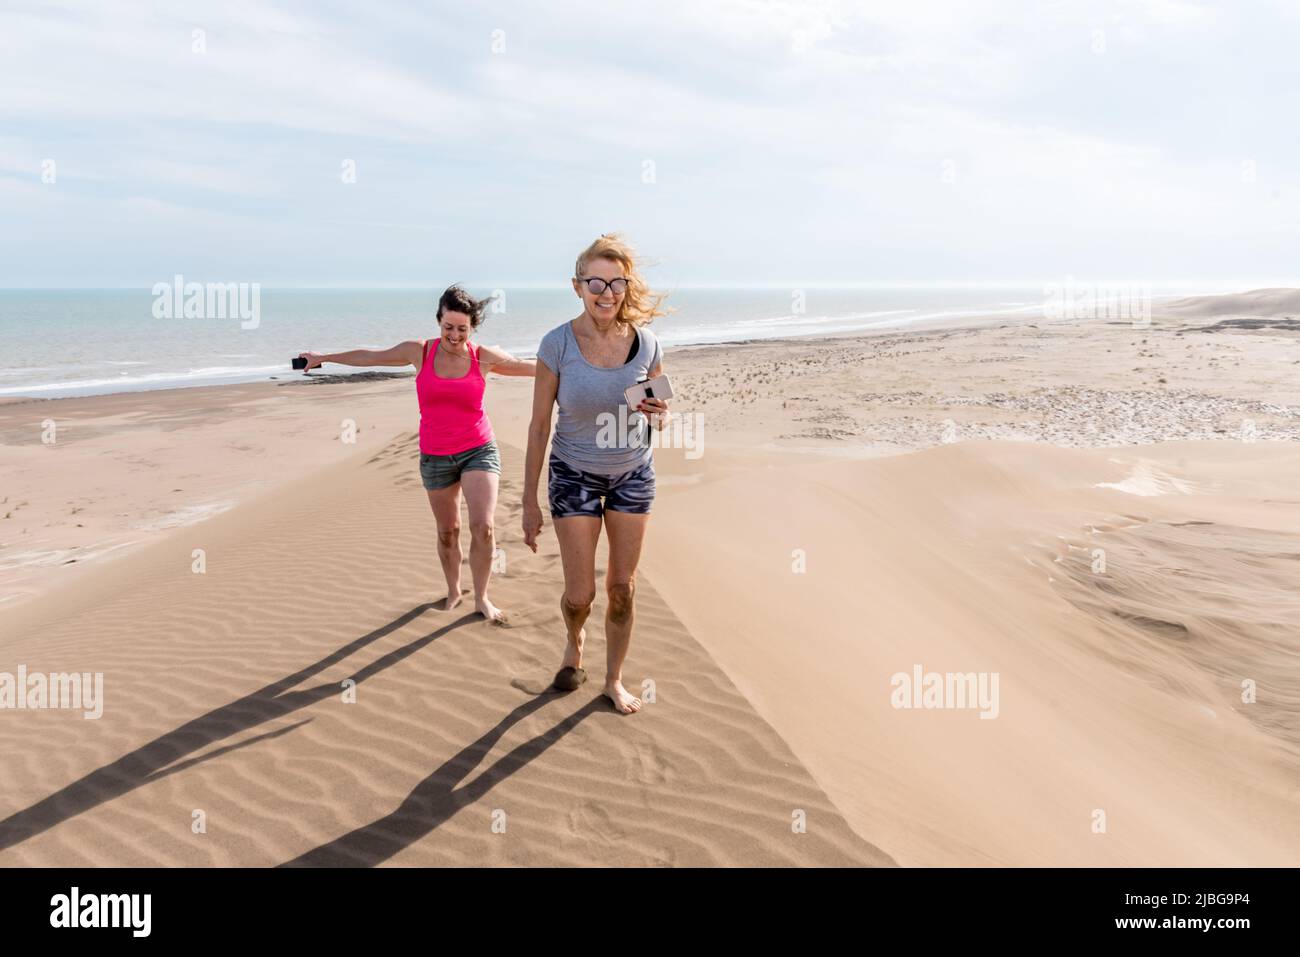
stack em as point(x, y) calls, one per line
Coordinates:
point(1256, 302)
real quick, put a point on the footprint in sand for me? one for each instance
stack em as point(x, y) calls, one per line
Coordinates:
point(594, 823)
point(649, 765)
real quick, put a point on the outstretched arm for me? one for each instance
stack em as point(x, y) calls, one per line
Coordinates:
point(496, 359)
point(403, 354)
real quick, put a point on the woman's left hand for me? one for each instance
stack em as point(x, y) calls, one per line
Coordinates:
point(651, 406)
point(656, 409)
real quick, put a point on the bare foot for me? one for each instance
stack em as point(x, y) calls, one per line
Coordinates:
point(491, 612)
point(623, 700)
point(453, 600)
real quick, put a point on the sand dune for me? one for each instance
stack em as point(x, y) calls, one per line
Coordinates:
point(224, 695)
point(1256, 302)
point(1119, 691)
point(1167, 452)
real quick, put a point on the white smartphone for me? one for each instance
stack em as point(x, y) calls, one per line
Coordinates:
point(656, 388)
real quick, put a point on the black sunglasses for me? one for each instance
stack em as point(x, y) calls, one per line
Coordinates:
point(597, 285)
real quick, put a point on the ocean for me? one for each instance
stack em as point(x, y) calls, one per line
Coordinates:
point(71, 342)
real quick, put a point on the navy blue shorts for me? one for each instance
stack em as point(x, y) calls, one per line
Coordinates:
point(574, 492)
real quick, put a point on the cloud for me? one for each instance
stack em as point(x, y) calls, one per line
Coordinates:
point(741, 139)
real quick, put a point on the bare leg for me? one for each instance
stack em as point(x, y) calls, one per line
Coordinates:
point(446, 511)
point(626, 533)
point(577, 535)
point(481, 503)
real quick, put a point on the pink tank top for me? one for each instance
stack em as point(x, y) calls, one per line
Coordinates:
point(452, 418)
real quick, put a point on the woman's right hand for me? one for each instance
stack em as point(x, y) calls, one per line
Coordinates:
point(532, 524)
point(313, 359)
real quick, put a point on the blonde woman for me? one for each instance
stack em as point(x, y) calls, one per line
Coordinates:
point(584, 366)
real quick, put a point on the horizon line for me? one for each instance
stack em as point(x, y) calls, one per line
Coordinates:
point(1245, 284)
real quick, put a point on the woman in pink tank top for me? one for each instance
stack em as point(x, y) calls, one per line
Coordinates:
point(457, 446)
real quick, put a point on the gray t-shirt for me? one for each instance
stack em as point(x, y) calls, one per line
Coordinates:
point(595, 430)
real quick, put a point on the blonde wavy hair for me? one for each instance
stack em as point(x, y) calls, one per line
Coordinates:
point(640, 303)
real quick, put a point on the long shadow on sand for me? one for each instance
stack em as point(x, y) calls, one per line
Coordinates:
point(153, 761)
point(436, 798)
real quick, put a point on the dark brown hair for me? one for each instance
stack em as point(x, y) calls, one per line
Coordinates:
point(456, 299)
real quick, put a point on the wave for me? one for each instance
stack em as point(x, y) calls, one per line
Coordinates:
point(71, 379)
point(779, 327)
point(803, 320)
point(129, 383)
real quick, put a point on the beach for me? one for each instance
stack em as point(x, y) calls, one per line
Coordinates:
point(1094, 519)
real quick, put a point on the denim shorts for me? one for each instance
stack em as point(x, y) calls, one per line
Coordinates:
point(442, 471)
point(574, 492)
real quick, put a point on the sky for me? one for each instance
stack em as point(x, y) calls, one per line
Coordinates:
point(732, 141)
